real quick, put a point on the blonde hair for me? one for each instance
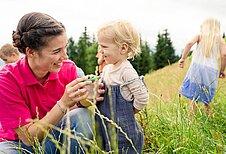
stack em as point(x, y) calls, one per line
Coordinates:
point(8, 49)
point(210, 32)
point(121, 31)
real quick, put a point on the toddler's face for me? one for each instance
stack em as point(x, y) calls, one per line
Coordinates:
point(111, 51)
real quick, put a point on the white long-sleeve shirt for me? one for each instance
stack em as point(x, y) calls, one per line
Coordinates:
point(132, 86)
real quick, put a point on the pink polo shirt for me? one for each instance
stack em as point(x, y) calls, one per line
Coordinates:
point(22, 96)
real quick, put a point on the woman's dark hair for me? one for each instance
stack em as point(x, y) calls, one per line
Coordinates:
point(34, 29)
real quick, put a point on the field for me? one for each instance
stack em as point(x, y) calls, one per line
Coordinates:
point(167, 125)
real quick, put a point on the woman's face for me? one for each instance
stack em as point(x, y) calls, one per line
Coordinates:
point(50, 58)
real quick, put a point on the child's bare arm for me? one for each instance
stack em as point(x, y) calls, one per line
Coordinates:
point(189, 46)
point(187, 50)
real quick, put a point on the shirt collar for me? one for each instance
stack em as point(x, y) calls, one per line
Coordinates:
point(28, 75)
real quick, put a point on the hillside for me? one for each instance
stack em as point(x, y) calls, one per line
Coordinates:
point(167, 125)
point(165, 83)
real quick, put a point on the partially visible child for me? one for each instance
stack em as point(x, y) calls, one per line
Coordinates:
point(9, 54)
point(125, 92)
point(200, 82)
point(100, 60)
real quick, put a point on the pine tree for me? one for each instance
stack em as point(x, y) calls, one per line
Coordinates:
point(83, 44)
point(165, 53)
point(143, 62)
point(71, 50)
point(90, 58)
point(83, 53)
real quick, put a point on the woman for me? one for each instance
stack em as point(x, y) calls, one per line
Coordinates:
point(42, 86)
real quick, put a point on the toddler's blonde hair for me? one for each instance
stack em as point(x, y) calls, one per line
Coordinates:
point(210, 32)
point(121, 31)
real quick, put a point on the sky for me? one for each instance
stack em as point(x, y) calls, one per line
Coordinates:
point(182, 18)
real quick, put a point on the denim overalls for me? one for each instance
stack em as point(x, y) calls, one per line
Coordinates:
point(115, 107)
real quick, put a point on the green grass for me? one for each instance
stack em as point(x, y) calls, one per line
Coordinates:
point(167, 126)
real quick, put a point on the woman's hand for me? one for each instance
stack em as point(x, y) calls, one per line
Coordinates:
point(95, 91)
point(100, 91)
point(74, 92)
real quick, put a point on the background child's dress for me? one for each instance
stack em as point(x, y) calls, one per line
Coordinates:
point(201, 79)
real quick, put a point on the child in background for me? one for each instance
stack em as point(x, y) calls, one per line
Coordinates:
point(9, 54)
point(100, 60)
point(125, 92)
point(200, 82)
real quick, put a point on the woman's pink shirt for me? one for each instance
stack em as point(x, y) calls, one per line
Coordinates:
point(23, 97)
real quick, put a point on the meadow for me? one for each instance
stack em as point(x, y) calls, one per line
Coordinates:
point(167, 126)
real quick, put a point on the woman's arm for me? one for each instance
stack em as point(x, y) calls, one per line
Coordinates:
point(34, 130)
point(71, 96)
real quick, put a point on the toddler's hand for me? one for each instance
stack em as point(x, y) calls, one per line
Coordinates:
point(100, 92)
